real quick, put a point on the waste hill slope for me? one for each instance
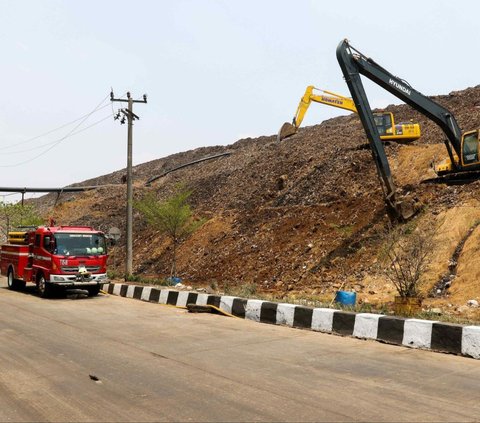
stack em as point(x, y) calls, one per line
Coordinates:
point(302, 215)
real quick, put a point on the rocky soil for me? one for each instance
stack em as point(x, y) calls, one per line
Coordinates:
point(303, 216)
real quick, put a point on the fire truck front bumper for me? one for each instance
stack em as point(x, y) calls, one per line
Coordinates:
point(79, 281)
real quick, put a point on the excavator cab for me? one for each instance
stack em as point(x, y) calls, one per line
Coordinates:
point(470, 155)
point(383, 122)
point(470, 147)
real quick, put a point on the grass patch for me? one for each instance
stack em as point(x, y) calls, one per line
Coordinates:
point(342, 230)
point(141, 280)
point(248, 290)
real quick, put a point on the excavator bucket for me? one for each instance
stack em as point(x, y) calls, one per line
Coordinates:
point(407, 210)
point(401, 209)
point(287, 130)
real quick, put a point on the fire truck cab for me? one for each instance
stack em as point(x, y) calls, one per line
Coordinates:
point(60, 256)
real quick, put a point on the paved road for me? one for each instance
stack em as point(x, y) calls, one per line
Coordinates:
point(157, 363)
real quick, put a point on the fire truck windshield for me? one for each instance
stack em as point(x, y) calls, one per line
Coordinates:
point(80, 244)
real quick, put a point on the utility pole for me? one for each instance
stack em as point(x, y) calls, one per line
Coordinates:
point(128, 113)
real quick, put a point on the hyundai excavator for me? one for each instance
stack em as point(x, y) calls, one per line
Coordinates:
point(462, 148)
point(384, 121)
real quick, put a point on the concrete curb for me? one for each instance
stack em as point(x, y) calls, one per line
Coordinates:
point(413, 333)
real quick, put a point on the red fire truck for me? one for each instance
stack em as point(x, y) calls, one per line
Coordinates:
point(49, 256)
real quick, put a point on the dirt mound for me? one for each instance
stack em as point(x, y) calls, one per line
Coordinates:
point(300, 215)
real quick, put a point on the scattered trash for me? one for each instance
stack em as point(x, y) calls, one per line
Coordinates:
point(472, 303)
point(208, 308)
point(346, 298)
point(95, 378)
point(174, 280)
point(195, 308)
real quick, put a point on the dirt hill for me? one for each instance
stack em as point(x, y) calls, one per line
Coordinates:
point(303, 216)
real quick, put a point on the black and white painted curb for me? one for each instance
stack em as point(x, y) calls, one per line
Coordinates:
point(414, 333)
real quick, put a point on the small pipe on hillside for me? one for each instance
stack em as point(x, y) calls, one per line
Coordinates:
point(148, 183)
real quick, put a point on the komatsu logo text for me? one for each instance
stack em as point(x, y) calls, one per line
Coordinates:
point(332, 100)
point(400, 87)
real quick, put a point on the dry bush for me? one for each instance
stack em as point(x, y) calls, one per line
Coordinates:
point(405, 257)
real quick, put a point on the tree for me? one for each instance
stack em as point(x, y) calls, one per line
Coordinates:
point(173, 217)
point(14, 215)
point(405, 257)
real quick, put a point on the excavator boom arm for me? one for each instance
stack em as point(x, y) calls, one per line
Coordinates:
point(359, 63)
point(335, 100)
point(353, 63)
point(329, 98)
point(352, 77)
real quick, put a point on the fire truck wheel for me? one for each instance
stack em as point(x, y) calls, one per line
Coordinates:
point(43, 287)
point(93, 290)
point(13, 283)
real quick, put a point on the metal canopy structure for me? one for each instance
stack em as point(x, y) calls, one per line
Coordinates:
point(23, 190)
point(59, 190)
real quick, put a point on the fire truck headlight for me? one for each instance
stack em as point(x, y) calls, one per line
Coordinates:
point(58, 278)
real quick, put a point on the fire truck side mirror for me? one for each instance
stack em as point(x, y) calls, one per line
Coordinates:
point(49, 243)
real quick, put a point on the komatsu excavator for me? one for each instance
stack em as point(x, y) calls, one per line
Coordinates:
point(462, 148)
point(384, 121)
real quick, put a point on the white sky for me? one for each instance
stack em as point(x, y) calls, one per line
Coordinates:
point(214, 71)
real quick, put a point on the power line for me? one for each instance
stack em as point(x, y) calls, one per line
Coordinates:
point(61, 139)
point(56, 129)
point(55, 141)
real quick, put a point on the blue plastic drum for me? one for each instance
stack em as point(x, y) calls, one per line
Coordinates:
point(346, 297)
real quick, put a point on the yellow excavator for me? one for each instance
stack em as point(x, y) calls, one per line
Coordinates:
point(384, 121)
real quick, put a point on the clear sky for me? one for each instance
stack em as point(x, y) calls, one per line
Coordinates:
point(214, 71)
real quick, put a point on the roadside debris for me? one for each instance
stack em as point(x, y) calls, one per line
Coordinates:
point(94, 378)
point(76, 294)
